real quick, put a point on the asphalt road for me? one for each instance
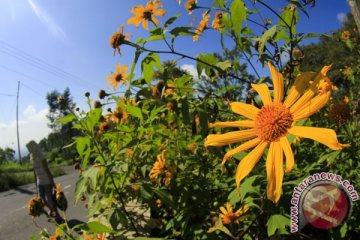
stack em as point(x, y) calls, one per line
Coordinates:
point(17, 224)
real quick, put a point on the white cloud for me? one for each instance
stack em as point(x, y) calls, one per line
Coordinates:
point(32, 126)
point(29, 111)
point(191, 69)
point(50, 23)
point(341, 17)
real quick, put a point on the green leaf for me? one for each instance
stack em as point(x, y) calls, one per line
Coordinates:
point(149, 238)
point(96, 227)
point(164, 196)
point(134, 111)
point(116, 217)
point(185, 111)
point(238, 14)
point(93, 118)
point(136, 58)
point(265, 37)
point(81, 144)
point(147, 66)
point(181, 31)
point(66, 119)
point(171, 20)
point(224, 65)
point(219, 3)
point(208, 58)
point(277, 222)
point(154, 112)
point(219, 226)
point(155, 38)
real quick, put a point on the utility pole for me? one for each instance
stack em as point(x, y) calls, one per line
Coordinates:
point(17, 121)
point(355, 10)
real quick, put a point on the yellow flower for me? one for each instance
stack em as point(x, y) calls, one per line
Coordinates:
point(345, 35)
point(119, 76)
point(158, 167)
point(270, 125)
point(117, 39)
point(217, 22)
point(56, 236)
point(95, 236)
point(190, 5)
point(36, 206)
point(228, 216)
point(202, 25)
point(146, 14)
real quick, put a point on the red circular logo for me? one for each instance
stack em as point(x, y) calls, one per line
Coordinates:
point(325, 206)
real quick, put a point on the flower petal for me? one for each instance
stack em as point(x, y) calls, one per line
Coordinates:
point(263, 91)
point(311, 107)
point(155, 21)
point(289, 155)
point(228, 138)
point(301, 83)
point(159, 12)
point(243, 147)
point(323, 135)
point(321, 76)
point(244, 109)
point(274, 171)
point(247, 164)
point(278, 81)
point(145, 24)
point(238, 124)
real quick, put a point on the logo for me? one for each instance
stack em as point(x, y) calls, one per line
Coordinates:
point(322, 200)
point(325, 206)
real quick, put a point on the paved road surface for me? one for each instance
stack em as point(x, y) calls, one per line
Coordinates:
point(15, 222)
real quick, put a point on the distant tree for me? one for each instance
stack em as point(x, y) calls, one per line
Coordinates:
point(6, 154)
point(62, 134)
point(59, 109)
point(334, 50)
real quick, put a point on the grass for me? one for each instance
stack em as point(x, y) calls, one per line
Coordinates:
point(13, 175)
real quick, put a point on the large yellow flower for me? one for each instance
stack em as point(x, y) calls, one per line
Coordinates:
point(146, 14)
point(119, 76)
point(270, 126)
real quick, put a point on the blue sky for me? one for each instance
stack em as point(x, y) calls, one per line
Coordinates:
point(55, 44)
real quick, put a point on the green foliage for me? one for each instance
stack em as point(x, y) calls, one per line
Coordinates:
point(145, 169)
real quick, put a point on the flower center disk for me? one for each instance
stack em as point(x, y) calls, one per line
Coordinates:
point(118, 78)
point(273, 122)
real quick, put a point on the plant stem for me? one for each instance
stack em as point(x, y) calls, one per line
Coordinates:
point(186, 56)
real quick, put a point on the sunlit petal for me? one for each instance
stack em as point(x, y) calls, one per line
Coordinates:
point(301, 83)
point(278, 81)
point(289, 155)
point(244, 109)
point(229, 138)
point(243, 147)
point(263, 91)
point(321, 76)
point(238, 124)
point(274, 171)
point(323, 135)
point(313, 106)
point(247, 164)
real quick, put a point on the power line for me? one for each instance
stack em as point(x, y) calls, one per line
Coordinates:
point(26, 76)
point(36, 59)
point(38, 63)
point(7, 95)
point(31, 89)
